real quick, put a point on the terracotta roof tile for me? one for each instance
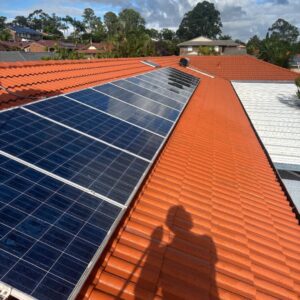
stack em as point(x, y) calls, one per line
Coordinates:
point(38, 79)
point(211, 220)
point(240, 68)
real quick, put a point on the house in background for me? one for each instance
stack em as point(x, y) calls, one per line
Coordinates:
point(24, 34)
point(49, 46)
point(93, 49)
point(221, 47)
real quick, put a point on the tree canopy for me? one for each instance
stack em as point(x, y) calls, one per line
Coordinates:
point(203, 20)
point(279, 45)
point(284, 31)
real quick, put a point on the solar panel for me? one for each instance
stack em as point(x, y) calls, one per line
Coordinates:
point(136, 100)
point(149, 94)
point(157, 88)
point(69, 167)
point(124, 111)
point(49, 231)
point(100, 125)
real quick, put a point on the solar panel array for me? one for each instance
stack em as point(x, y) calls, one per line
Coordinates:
point(69, 167)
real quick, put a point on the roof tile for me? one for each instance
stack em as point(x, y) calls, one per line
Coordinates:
point(210, 218)
point(242, 67)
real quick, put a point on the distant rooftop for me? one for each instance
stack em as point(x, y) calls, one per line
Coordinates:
point(204, 41)
point(24, 30)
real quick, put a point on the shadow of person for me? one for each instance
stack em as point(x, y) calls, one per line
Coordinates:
point(178, 263)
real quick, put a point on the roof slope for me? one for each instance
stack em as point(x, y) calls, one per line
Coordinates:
point(241, 68)
point(201, 40)
point(211, 220)
point(37, 79)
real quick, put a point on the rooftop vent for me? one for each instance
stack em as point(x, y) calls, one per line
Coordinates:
point(184, 62)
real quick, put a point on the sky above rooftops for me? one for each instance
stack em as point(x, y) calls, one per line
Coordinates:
point(241, 18)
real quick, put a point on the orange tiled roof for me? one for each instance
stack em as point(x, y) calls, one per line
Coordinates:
point(211, 221)
point(241, 68)
point(39, 79)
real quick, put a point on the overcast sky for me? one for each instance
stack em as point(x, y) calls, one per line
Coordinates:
point(241, 18)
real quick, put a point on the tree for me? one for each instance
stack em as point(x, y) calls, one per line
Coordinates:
point(4, 33)
point(2, 22)
point(167, 34)
point(203, 20)
point(284, 31)
point(206, 50)
point(253, 45)
point(78, 26)
point(153, 33)
point(93, 26)
point(131, 21)
point(275, 51)
point(20, 21)
point(111, 22)
point(225, 37)
point(238, 41)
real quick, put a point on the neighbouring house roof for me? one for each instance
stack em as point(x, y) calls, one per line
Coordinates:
point(9, 45)
point(17, 56)
point(48, 78)
point(211, 218)
point(208, 42)
point(240, 68)
point(24, 30)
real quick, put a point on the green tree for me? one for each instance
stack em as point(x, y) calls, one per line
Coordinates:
point(2, 22)
point(111, 22)
point(94, 29)
point(78, 26)
point(238, 41)
point(206, 50)
point(284, 31)
point(253, 45)
point(203, 20)
point(4, 33)
point(131, 21)
point(225, 37)
point(275, 51)
point(20, 21)
point(153, 33)
point(167, 34)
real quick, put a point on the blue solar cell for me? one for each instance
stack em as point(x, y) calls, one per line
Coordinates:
point(123, 111)
point(52, 287)
point(89, 159)
point(182, 78)
point(158, 88)
point(138, 101)
point(49, 231)
point(98, 125)
point(159, 98)
point(165, 82)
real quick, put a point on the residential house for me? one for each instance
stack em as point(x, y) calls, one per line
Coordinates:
point(49, 46)
point(24, 34)
point(93, 49)
point(221, 47)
